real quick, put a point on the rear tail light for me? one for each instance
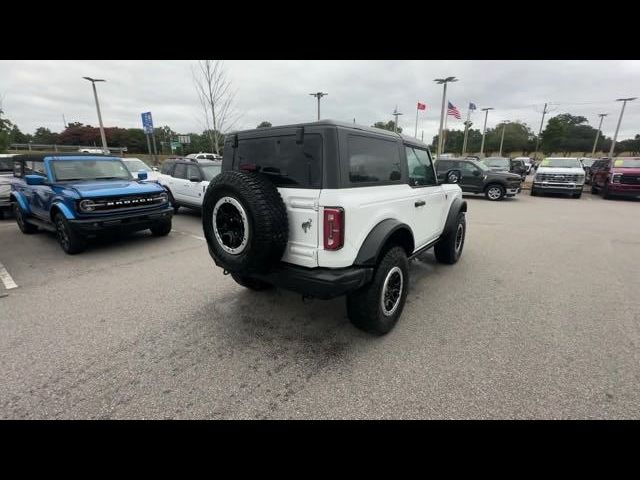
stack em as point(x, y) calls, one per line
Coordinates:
point(333, 228)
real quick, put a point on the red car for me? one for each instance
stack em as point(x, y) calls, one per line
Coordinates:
point(620, 179)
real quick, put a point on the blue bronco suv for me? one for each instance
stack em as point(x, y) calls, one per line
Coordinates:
point(78, 196)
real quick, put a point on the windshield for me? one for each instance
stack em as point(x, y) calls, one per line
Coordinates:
point(211, 171)
point(626, 163)
point(136, 165)
point(497, 162)
point(107, 169)
point(561, 163)
point(6, 164)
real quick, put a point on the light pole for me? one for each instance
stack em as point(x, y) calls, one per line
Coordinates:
point(544, 112)
point(443, 81)
point(615, 136)
point(95, 94)
point(484, 129)
point(396, 113)
point(504, 127)
point(318, 95)
point(601, 115)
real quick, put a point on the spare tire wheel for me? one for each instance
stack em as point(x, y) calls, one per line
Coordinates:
point(245, 222)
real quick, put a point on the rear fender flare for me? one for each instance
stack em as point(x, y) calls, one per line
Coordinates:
point(374, 243)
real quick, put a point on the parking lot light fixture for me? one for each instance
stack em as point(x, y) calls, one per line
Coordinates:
point(318, 95)
point(95, 94)
point(484, 129)
point(504, 127)
point(615, 136)
point(442, 81)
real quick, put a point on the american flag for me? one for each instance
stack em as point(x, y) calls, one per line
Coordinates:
point(453, 111)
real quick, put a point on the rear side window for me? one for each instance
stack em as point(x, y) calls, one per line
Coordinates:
point(287, 163)
point(180, 171)
point(443, 165)
point(373, 160)
point(34, 168)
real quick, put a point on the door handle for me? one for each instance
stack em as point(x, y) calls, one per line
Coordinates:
point(420, 203)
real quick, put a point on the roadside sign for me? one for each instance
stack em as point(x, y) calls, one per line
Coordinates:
point(184, 139)
point(175, 145)
point(147, 122)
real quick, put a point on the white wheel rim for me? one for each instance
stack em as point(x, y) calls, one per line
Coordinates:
point(494, 193)
point(392, 291)
point(230, 240)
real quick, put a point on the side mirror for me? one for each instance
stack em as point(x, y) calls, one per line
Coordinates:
point(476, 173)
point(194, 179)
point(452, 176)
point(142, 175)
point(35, 179)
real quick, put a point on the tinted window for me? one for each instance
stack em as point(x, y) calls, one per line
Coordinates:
point(6, 164)
point(167, 167)
point(210, 171)
point(192, 171)
point(419, 167)
point(443, 165)
point(180, 171)
point(287, 163)
point(467, 169)
point(373, 160)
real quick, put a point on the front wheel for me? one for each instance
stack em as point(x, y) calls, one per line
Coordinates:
point(449, 248)
point(376, 307)
point(594, 190)
point(69, 240)
point(605, 192)
point(173, 203)
point(161, 229)
point(494, 192)
point(534, 192)
point(577, 195)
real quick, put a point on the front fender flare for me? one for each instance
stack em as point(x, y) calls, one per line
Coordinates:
point(457, 205)
point(66, 211)
point(21, 201)
point(374, 243)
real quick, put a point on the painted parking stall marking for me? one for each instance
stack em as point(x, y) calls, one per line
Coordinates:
point(6, 278)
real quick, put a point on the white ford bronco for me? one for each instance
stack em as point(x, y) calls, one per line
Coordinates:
point(330, 208)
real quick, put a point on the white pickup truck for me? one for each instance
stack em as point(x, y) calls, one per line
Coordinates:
point(186, 180)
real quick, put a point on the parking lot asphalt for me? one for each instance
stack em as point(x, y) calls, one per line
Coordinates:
point(540, 318)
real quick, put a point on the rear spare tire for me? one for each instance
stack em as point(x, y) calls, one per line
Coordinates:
point(245, 222)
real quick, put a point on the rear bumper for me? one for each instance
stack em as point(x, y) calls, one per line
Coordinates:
point(321, 283)
point(558, 187)
point(130, 222)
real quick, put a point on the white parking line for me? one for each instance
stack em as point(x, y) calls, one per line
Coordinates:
point(6, 278)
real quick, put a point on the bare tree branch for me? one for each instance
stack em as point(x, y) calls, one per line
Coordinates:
point(216, 99)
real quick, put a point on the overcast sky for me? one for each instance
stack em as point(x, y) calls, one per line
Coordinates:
point(38, 93)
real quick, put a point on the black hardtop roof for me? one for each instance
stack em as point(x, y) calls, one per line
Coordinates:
point(33, 157)
point(339, 124)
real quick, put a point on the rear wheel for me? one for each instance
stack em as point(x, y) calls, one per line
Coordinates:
point(494, 192)
point(70, 241)
point(376, 307)
point(251, 283)
point(23, 225)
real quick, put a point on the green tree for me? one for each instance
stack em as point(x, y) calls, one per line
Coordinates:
point(16, 136)
point(387, 126)
point(569, 133)
point(45, 136)
point(5, 132)
point(264, 125)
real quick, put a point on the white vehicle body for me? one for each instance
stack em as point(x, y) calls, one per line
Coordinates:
point(559, 179)
point(5, 183)
point(185, 192)
point(94, 150)
point(134, 165)
point(527, 161)
point(204, 156)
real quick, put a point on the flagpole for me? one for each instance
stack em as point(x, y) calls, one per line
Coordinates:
point(466, 131)
point(444, 132)
point(416, 132)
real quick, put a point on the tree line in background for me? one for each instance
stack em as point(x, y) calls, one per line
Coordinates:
point(563, 133)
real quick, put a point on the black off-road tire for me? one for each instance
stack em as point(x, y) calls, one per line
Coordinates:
point(577, 195)
point(251, 283)
point(70, 241)
point(23, 225)
point(605, 192)
point(364, 306)
point(161, 229)
point(266, 216)
point(594, 190)
point(490, 187)
point(173, 203)
point(448, 250)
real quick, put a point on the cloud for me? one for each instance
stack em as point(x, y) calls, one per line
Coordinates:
point(38, 93)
